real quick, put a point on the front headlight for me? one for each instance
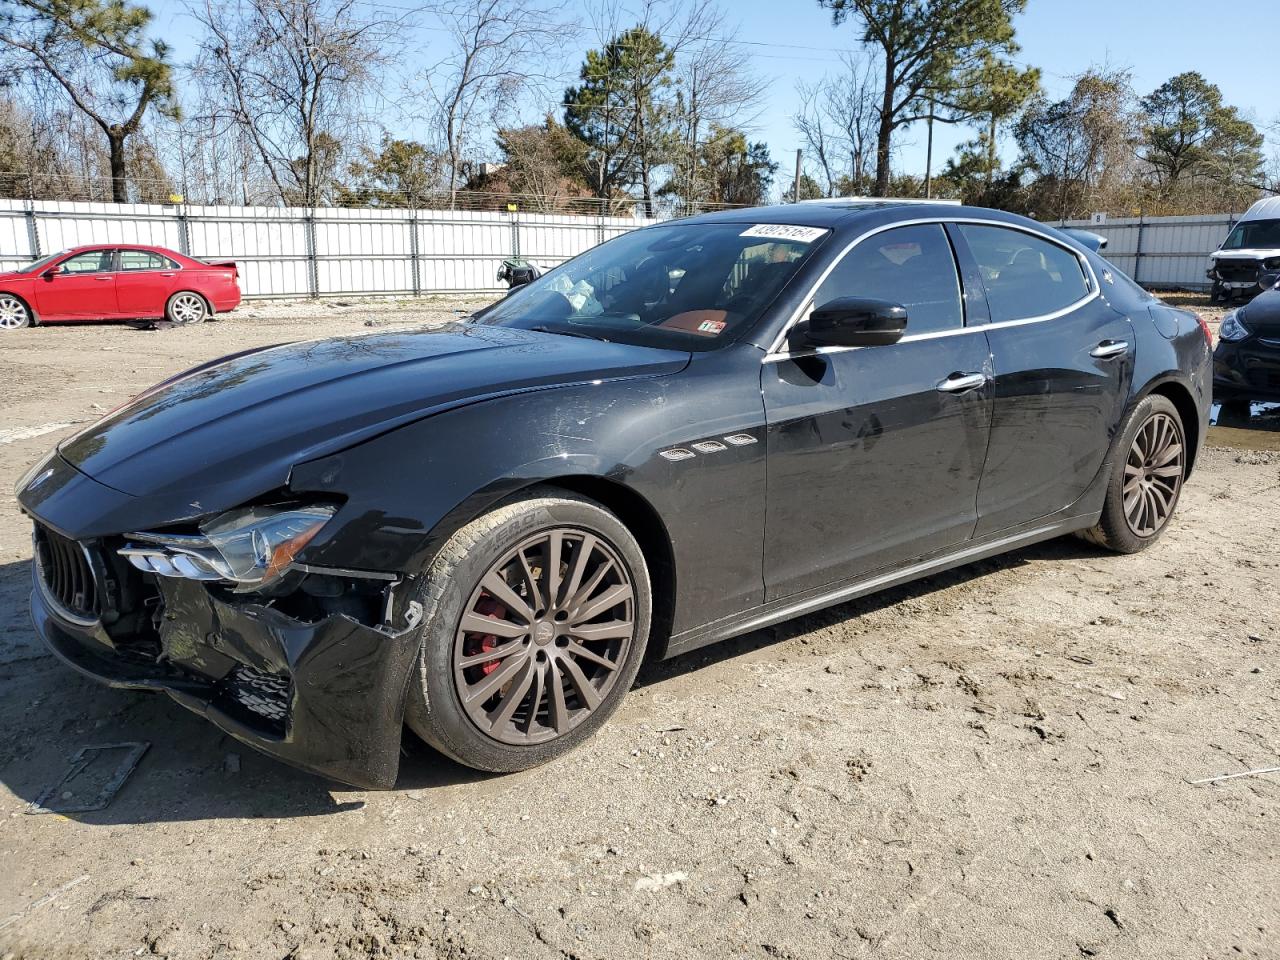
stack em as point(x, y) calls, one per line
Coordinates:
point(258, 544)
point(1232, 328)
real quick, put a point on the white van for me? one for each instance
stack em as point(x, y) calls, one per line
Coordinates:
point(1248, 261)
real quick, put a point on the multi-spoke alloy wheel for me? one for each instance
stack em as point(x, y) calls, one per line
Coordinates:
point(13, 314)
point(535, 620)
point(1150, 460)
point(543, 635)
point(186, 308)
point(1153, 474)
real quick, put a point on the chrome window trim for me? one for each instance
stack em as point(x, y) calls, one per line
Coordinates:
point(776, 351)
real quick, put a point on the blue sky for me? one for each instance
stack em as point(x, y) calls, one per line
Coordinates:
point(1155, 39)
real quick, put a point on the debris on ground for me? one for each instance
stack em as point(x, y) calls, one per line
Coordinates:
point(92, 781)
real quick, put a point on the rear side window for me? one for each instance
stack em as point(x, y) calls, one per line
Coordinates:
point(1024, 275)
point(144, 260)
point(912, 266)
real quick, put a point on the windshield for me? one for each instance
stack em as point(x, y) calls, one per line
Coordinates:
point(689, 286)
point(1254, 233)
point(42, 262)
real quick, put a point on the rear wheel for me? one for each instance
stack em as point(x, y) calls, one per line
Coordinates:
point(1146, 478)
point(14, 314)
point(536, 618)
point(186, 307)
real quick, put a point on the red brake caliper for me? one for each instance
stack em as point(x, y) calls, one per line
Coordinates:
point(486, 606)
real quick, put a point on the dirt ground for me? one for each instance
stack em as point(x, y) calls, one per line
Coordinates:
point(996, 762)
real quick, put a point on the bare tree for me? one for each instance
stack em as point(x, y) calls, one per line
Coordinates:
point(817, 131)
point(1082, 145)
point(294, 77)
point(544, 163)
point(839, 119)
point(716, 86)
point(500, 50)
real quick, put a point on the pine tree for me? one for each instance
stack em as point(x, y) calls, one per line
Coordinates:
point(96, 51)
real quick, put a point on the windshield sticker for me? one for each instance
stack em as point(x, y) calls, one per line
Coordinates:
point(784, 231)
point(711, 326)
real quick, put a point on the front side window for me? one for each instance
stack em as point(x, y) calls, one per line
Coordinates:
point(1263, 234)
point(95, 261)
point(1025, 276)
point(911, 266)
point(143, 260)
point(684, 286)
point(36, 266)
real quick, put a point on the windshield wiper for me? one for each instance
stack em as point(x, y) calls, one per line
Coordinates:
point(567, 333)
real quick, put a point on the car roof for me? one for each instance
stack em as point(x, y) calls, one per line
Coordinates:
point(1268, 209)
point(87, 247)
point(845, 212)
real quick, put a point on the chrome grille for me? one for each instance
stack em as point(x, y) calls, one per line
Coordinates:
point(68, 577)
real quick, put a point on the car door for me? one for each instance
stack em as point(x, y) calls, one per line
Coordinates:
point(144, 282)
point(1063, 362)
point(874, 454)
point(83, 288)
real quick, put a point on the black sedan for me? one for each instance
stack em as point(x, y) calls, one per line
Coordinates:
point(1246, 363)
point(692, 431)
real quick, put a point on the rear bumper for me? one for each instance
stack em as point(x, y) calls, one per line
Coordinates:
point(327, 696)
point(227, 302)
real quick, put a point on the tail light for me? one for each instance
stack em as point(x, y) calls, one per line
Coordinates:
point(1204, 328)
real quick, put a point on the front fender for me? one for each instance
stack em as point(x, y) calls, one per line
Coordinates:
point(406, 492)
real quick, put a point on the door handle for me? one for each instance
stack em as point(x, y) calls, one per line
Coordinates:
point(1109, 349)
point(104, 278)
point(960, 382)
point(169, 274)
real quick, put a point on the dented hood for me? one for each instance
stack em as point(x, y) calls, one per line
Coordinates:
point(233, 428)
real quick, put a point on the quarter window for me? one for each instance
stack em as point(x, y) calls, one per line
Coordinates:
point(1024, 275)
point(95, 261)
point(144, 260)
point(912, 266)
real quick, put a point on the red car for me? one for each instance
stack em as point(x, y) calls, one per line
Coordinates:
point(117, 282)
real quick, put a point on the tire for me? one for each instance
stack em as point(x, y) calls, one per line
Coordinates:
point(1151, 460)
point(186, 307)
point(14, 314)
point(452, 702)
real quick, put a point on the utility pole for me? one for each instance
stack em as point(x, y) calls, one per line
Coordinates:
point(928, 158)
point(795, 187)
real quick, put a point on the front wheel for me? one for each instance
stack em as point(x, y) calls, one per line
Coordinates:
point(186, 307)
point(1146, 478)
point(536, 618)
point(14, 314)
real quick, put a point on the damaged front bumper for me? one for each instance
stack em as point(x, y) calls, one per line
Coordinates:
point(326, 695)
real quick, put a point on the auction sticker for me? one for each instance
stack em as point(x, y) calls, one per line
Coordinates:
point(784, 231)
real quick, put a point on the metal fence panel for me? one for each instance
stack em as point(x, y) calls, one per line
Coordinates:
point(291, 252)
point(294, 252)
point(1162, 252)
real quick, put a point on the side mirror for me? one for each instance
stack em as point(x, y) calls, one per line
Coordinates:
point(855, 322)
point(52, 272)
